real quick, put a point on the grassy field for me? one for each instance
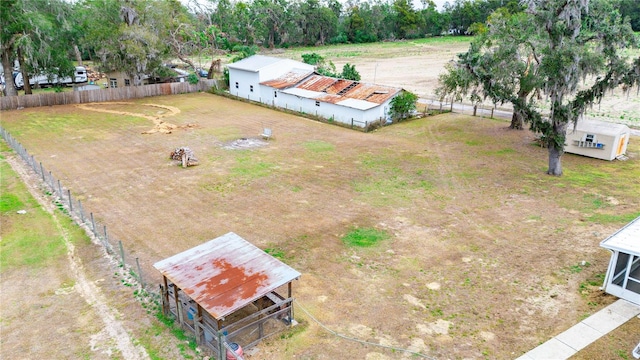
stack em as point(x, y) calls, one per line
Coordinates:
point(452, 208)
point(44, 260)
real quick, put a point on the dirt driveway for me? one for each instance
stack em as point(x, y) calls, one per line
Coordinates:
point(488, 255)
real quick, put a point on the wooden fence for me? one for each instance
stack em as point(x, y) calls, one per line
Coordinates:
point(104, 95)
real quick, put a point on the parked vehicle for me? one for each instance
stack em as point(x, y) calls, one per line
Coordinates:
point(79, 77)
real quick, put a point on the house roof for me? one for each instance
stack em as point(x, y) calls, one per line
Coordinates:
point(225, 274)
point(342, 92)
point(598, 127)
point(288, 80)
point(254, 63)
point(626, 239)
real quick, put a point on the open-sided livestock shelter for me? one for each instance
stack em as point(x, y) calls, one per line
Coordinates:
point(227, 291)
point(597, 139)
point(623, 275)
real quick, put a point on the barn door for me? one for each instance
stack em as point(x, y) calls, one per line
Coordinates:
point(625, 280)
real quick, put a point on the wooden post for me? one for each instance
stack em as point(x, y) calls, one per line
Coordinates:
point(178, 304)
point(475, 109)
point(165, 297)
point(492, 112)
point(197, 323)
point(70, 202)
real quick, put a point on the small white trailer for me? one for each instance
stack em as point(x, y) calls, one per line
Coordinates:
point(79, 76)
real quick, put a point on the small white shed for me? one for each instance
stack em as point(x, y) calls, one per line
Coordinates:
point(623, 275)
point(597, 139)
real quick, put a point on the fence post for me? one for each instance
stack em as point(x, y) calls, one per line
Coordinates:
point(121, 251)
point(93, 225)
point(59, 190)
point(106, 239)
point(70, 202)
point(42, 171)
point(492, 112)
point(81, 211)
point(139, 272)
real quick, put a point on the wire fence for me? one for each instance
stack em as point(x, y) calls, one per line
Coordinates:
point(65, 201)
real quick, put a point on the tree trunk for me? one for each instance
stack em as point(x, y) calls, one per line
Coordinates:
point(9, 85)
point(78, 55)
point(517, 122)
point(25, 76)
point(555, 161)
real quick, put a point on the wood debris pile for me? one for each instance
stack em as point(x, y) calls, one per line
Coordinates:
point(185, 155)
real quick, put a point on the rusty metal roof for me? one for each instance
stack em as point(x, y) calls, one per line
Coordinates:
point(289, 79)
point(336, 91)
point(225, 274)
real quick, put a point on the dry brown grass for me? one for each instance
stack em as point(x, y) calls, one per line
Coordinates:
point(485, 253)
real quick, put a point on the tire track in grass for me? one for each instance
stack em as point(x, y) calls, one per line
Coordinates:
point(86, 288)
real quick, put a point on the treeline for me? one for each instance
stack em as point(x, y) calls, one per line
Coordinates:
point(137, 36)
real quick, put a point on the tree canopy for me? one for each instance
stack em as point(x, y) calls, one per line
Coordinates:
point(570, 51)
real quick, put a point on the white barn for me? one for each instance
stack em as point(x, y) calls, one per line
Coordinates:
point(295, 86)
point(623, 275)
point(597, 139)
point(246, 75)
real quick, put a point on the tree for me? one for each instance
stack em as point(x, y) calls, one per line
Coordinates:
point(130, 38)
point(504, 73)
point(402, 105)
point(39, 36)
point(349, 72)
point(549, 50)
point(584, 39)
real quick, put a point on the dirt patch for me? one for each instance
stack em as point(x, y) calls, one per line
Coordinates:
point(159, 125)
point(245, 143)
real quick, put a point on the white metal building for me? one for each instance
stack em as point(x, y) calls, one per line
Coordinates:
point(246, 75)
point(295, 86)
point(623, 275)
point(597, 139)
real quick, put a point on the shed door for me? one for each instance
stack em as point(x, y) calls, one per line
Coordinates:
point(623, 138)
point(625, 280)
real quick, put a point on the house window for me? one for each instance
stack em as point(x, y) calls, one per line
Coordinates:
point(236, 84)
point(127, 82)
point(275, 94)
point(251, 88)
point(317, 103)
point(113, 83)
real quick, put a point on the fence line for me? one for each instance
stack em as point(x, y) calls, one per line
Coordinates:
point(104, 95)
point(73, 207)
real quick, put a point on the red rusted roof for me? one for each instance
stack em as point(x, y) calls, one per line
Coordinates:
point(337, 90)
point(225, 274)
point(289, 79)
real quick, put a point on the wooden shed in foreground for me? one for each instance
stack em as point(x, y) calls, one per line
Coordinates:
point(227, 291)
point(623, 276)
point(597, 139)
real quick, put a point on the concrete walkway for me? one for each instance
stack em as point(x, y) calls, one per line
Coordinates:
point(565, 345)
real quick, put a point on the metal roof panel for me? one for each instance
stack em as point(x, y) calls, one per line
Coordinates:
point(289, 79)
point(626, 239)
point(226, 273)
